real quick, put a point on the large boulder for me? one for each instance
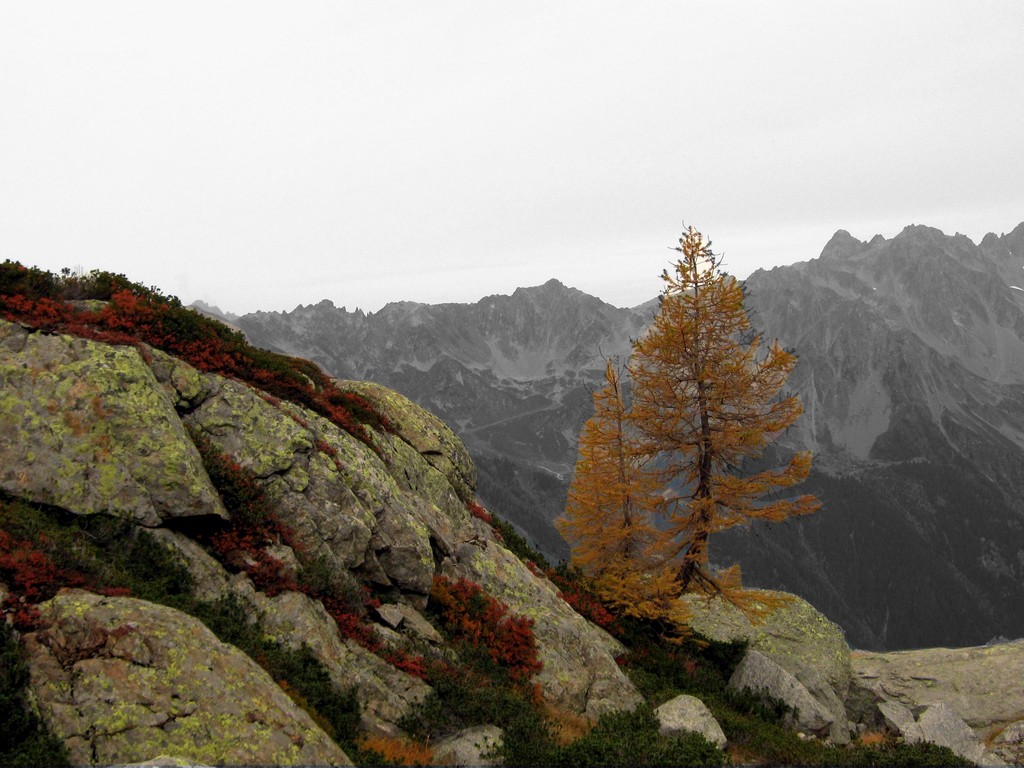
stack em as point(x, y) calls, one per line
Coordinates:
point(121, 680)
point(940, 725)
point(382, 512)
point(86, 426)
point(425, 433)
point(580, 674)
point(293, 619)
point(981, 684)
point(793, 633)
point(386, 694)
point(760, 674)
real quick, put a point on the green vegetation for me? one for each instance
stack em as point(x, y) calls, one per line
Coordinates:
point(632, 738)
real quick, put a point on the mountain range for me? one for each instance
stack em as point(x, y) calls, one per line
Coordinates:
point(911, 372)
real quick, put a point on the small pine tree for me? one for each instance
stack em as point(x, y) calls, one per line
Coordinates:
point(705, 402)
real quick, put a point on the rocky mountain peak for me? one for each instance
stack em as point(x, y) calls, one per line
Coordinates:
point(552, 291)
point(841, 244)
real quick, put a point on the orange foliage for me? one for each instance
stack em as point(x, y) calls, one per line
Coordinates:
point(657, 477)
point(397, 751)
point(609, 515)
point(705, 400)
point(566, 726)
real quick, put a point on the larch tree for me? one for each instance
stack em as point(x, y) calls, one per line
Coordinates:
point(609, 516)
point(705, 403)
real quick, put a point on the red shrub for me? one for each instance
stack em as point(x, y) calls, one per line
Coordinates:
point(134, 314)
point(413, 665)
point(472, 616)
point(582, 600)
point(479, 512)
point(32, 578)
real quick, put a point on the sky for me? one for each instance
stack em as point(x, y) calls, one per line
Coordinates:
point(262, 155)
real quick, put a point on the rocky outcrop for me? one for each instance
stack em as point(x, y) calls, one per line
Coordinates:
point(385, 693)
point(981, 684)
point(471, 747)
point(390, 516)
point(84, 426)
point(423, 431)
point(940, 725)
point(1008, 744)
point(122, 680)
point(802, 641)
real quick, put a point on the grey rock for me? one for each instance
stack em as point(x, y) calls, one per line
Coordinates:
point(1008, 744)
point(981, 684)
point(688, 714)
point(763, 675)
point(941, 725)
point(408, 619)
point(209, 579)
point(1011, 734)
point(795, 635)
point(899, 719)
point(473, 746)
point(386, 694)
point(580, 674)
point(390, 615)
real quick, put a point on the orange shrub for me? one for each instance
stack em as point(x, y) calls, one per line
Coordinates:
point(396, 751)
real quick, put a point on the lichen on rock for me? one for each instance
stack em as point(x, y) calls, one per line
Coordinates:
point(121, 680)
point(85, 426)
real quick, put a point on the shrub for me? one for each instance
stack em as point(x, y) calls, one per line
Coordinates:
point(575, 589)
point(464, 696)
point(385, 750)
point(632, 738)
point(31, 577)
point(471, 616)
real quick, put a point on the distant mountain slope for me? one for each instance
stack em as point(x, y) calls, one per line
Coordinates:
point(511, 374)
point(912, 376)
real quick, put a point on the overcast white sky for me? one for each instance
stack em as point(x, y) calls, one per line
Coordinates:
point(262, 155)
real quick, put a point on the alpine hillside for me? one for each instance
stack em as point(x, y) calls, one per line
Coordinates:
point(911, 374)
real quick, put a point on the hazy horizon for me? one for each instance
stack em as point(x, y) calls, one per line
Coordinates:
point(260, 156)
